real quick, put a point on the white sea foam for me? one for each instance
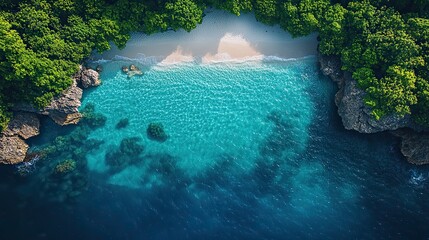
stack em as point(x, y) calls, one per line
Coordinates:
point(222, 59)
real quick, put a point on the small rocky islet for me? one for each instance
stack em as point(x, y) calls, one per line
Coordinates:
point(131, 71)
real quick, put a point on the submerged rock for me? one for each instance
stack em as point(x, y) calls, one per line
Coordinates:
point(155, 131)
point(123, 123)
point(63, 181)
point(414, 146)
point(133, 73)
point(126, 154)
point(131, 146)
point(65, 167)
point(12, 149)
point(91, 118)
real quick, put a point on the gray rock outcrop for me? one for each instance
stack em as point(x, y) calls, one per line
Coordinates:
point(414, 146)
point(87, 77)
point(64, 109)
point(357, 116)
point(354, 113)
point(23, 124)
point(13, 148)
point(131, 71)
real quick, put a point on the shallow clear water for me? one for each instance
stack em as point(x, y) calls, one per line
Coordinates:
point(210, 112)
point(255, 150)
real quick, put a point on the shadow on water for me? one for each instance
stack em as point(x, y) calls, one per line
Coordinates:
point(127, 153)
point(390, 194)
point(268, 169)
point(335, 185)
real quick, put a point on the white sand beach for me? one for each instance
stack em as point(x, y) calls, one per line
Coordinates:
point(221, 37)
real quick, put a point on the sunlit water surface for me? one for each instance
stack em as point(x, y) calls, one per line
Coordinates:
point(255, 150)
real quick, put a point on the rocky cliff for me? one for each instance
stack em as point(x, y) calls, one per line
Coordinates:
point(414, 145)
point(87, 77)
point(356, 115)
point(24, 125)
point(12, 145)
point(64, 110)
point(349, 99)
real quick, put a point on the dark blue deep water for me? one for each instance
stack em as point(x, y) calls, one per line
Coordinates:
point(255, 150)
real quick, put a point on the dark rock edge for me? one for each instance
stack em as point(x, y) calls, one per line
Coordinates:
point(349, 100)
point(355, 115)
point(63, 110)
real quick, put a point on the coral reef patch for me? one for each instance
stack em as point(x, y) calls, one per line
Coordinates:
point(155, 132)
point(123, 123)
point(126, 154)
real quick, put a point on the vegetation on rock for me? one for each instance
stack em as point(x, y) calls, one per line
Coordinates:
point(155, 131)
point(127, 153)
point(91, 118)
point(65, 167)
point(384, 43)
point(76, 144)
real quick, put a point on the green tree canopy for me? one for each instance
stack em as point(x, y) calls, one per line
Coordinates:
point(184, 14)
point(383, 43)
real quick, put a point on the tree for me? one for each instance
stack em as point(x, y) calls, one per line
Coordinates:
point(301, 17)
point(184, 14)
point(234, 6)
point(266, 11)
point(331, 29)
point(384, 43)
point(393, 93)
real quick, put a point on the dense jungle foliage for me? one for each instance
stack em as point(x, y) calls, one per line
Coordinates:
point(384, 43)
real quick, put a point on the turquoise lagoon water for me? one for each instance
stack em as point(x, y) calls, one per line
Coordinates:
point(255, 150)
point(210, 112)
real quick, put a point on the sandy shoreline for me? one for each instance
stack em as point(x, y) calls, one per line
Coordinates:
point(221, 37)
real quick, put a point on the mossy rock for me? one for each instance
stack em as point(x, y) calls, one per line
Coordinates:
point(127, 153)
point(155, 132)
point(65, 167)
point(91, 118)
point(131, 146)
